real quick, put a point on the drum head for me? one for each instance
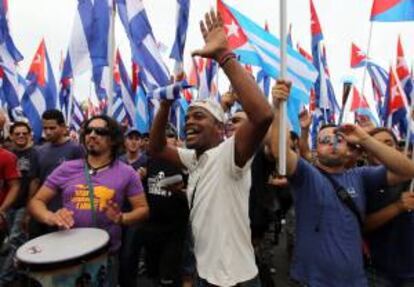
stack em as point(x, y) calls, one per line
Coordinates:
point(62, 246)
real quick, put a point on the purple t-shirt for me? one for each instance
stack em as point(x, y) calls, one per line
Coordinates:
point(115, 183)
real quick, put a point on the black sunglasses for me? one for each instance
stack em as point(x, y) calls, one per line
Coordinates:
point(98, 131)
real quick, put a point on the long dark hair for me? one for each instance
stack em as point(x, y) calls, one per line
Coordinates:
point(115, 133)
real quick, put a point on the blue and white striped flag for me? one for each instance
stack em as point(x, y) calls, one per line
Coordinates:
point(123, 88)
point(183, 13)
point(88, 46)
point(170, 92)
point(78, 116)
point(144, 48)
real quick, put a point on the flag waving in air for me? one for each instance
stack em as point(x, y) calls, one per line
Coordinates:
point(379, 75)
point(358, 58)
point(181, 31)
point(123, 89)
point(403, 72)
point(395, 105)
point(392, 10)
point(324, 92)
point(41, 92)
point(88, 46)
point(257, 47)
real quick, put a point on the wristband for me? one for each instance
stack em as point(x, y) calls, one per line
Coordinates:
point(226, 57)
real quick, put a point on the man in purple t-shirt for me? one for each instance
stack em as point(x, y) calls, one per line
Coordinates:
point(111, 180)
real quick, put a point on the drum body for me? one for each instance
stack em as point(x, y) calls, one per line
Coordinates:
point(75, 257)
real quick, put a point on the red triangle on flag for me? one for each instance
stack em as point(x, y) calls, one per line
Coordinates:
point(402, 69)
point(357, 56)
point(234, 32)
point(315, 24)
point(380, 6)
point(38, 66)
point(358, 101)
point(396, 95)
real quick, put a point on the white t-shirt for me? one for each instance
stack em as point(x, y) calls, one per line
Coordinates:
point(220, 214)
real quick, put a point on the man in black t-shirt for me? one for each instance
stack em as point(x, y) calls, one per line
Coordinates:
point(132, 236)
point(166, 228)
point(27, 161)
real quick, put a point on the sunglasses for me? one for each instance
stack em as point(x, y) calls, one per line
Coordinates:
point(98, 131)
point(330, 140)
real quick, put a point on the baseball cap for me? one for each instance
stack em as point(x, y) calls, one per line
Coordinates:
point(212, 107)
point(132, 130)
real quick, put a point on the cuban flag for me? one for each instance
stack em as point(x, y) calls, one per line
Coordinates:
point(9, 54)
point(403, 71)
point(119, 112)
point(177, 116)
point(100, 78)
point(78, 116)
point(41, 92)
point(123, 88)
point(378, 75)
point(395, 105)
point(183, 13)
point(392, 10)
point(65, 87)
point(325, 95)
point(263, 81)
point(257, 47)
point(88, 45)
point(208, 80)
point(170, 92)
point(360, 106)
point(142, 111)
point(144, 47)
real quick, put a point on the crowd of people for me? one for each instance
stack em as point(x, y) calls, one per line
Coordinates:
point(195, 212)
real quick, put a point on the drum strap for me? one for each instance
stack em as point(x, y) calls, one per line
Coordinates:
point(91, 194)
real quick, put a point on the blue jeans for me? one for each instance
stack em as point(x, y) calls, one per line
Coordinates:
point(16, 238)
point(255, 282)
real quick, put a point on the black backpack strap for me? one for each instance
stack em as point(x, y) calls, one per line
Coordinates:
point(344, 196)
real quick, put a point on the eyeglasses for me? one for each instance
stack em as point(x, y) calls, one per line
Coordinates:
point(98, 131)
point(325, 140)
point(21, 134)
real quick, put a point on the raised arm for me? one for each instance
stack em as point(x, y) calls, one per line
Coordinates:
point(249, 136)
point(400, 168)
point(383, 216)
point(280, 93)
point(158, 147)
point(305, 121)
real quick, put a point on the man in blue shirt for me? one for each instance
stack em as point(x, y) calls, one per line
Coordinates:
point(329, 244)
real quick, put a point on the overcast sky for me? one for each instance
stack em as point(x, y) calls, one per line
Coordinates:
point(342, 21)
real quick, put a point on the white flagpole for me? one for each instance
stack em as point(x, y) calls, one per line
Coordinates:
point(111, 58)
point(283, 72)
point(366, 62)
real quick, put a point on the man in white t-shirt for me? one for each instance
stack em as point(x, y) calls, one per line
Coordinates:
point(219, 182)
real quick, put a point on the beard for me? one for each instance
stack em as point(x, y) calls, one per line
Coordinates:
point(332, 162)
